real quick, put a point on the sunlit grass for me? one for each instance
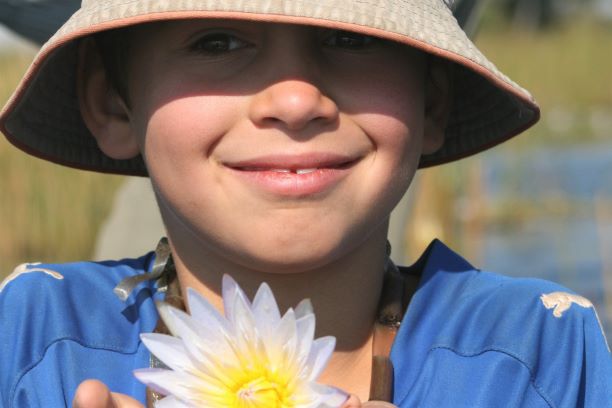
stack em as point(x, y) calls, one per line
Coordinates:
point(47, 212)
point(568, 68)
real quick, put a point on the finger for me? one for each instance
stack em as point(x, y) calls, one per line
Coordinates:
point(92, 394)
point(124, 401)
point(95, 394)
point(352, 402)
point(378, 404)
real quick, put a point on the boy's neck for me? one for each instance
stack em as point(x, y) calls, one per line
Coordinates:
point(344, 295)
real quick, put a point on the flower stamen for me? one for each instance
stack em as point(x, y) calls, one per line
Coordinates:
point(260, 392)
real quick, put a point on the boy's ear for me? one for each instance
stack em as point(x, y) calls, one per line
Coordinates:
point(104, 111)
point(438, 103)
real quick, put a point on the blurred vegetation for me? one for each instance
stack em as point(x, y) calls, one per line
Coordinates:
point(48, 212)
point(567, 66)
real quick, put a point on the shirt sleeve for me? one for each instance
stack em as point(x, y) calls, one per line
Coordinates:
point(596, 376)
point(61, 324)
point(15, 354)
point(575, 365)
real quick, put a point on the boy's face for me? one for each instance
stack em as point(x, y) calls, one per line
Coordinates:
point(281, 147)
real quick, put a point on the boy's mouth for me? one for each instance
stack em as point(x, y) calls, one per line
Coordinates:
point(297, 164)
point(294, 170)
point(294, 176)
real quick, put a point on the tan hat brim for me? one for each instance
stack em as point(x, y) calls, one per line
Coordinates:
point(43, 119)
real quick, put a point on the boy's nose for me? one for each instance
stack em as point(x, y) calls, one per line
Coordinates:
point(292, 104)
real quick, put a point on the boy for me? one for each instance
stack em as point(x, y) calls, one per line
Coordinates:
point(278, 136)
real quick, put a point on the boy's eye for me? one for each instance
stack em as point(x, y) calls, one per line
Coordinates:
point(218, 43)
point(347, 39)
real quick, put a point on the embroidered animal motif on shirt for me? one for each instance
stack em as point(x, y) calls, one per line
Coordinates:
point(29, 268)
point(561, 301)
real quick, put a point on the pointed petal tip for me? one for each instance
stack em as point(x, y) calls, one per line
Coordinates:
point(228, 282)
point(304, 308)
point(192, 293)
point(329, 396)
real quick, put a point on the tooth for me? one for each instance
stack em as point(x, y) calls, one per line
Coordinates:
point(281, 170)
point(304, 171)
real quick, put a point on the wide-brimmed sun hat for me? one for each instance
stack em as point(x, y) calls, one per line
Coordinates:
point(43, 118)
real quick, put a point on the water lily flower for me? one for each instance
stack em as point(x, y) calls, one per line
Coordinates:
point(251, 358)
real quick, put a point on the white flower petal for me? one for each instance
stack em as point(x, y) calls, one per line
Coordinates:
point(231, 291)
point(169, 350)
point(204, 347)
point(218, 331)
point(184, 326)
point(320, 353)
point(305, 328)
point(163, 309)
point(303, 308)
point(286, 327)
point(313, 395)
point(163, 381)
point(205, 313)
point(249, 356)
point(243, 319)
point(265, 308)
point(328, 397)
point(172, 402)
point(191, 389)
point(285, 337)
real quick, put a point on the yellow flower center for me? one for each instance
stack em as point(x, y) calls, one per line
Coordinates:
point(260, 393)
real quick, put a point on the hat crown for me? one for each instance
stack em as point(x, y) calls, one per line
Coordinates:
point(92, 3)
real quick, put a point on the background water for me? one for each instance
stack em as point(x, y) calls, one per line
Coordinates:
point(572, 246)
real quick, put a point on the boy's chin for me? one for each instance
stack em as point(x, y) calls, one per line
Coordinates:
point(292, 258)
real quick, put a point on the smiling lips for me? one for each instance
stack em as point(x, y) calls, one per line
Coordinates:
point(294, 176)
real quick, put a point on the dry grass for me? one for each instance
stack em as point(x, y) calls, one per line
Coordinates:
point(568, 69)
point(47, 212)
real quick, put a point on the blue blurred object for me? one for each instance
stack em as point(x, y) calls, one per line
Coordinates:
point(36, 20)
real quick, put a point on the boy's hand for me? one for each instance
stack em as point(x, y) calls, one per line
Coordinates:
point(94, 394)
point(354, 402)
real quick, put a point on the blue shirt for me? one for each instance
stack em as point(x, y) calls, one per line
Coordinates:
point(62, 324)
point(469, 338)
point(476, 339)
